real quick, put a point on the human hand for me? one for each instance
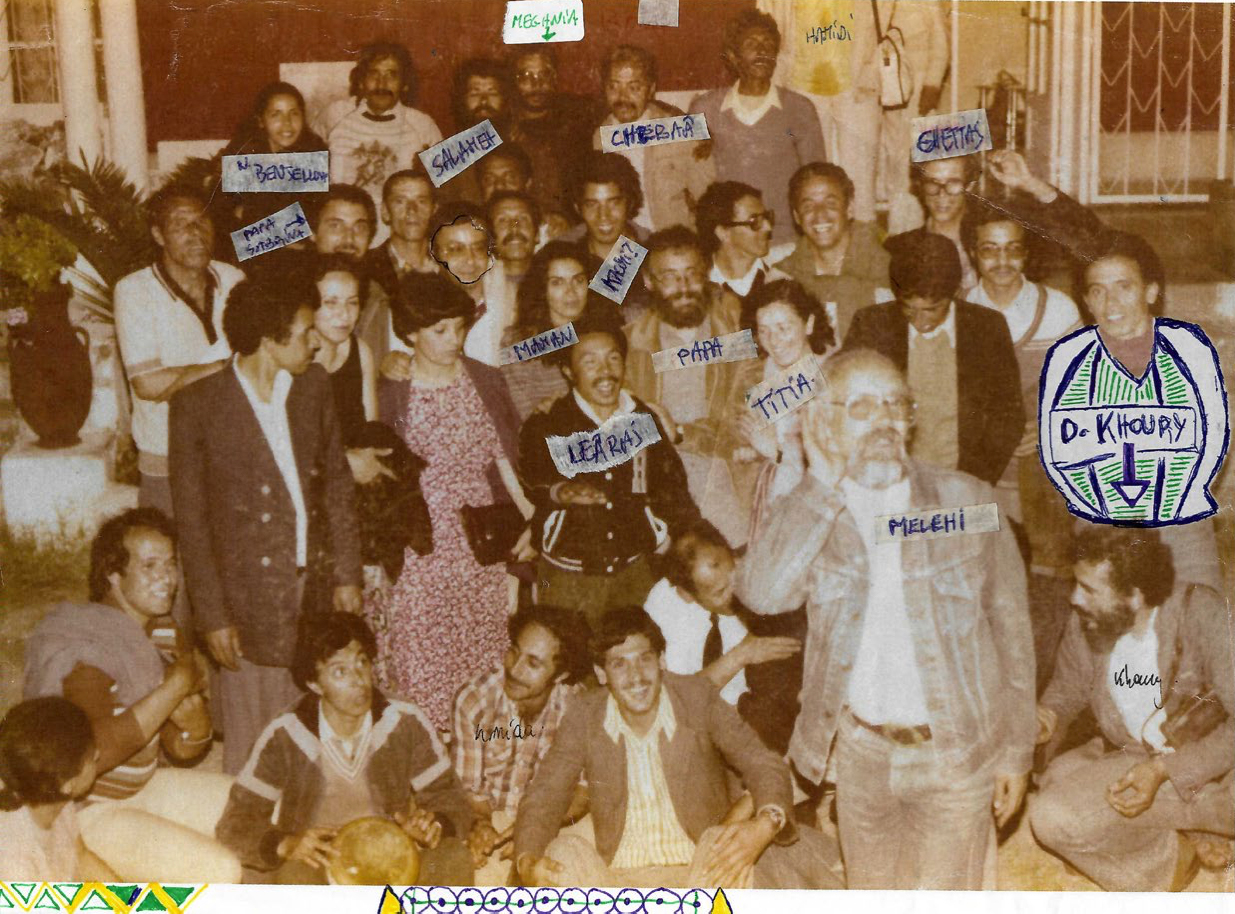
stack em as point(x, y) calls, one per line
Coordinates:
point(761, 437)
point(755, 649)
point(578, 493)
point(421, 824)
point(347, 599)
point(826, 463)
point(928, 101)
point(481, 841)
point(1134, 793)
point(1009, 793)
point(539, 871)
point(1009, 169)
point(311, 846)
point(523, 551)
point(735, 851)
point(366, 465)
point(192, 716)
point(1048, 720)
point(224, 647)
point(397, 366)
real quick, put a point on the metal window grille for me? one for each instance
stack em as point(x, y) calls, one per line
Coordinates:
point(28, 65)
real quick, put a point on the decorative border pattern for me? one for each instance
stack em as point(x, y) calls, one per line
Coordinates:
point(118, 898)
point(447, 900)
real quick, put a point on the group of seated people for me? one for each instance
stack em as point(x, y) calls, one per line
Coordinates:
point(693, 667)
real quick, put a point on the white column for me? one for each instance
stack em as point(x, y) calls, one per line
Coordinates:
point(126, 105)
point(79, 94)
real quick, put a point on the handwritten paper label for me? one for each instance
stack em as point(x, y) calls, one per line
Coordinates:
point(770, 400)
point(937, 522)
point(540, 21)
point(654, 132)
point(285, 227)
point(658, 12)
point(942, 136)
point(616, 441)
point(277, 172)
point(614, 278)
point(732, 347)
point(1079, 436)
point(540, 344)
point(454, 154)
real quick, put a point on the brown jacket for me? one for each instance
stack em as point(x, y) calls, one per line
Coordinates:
point(710, 738)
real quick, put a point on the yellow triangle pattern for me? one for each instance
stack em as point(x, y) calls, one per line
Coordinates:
point(71, 897)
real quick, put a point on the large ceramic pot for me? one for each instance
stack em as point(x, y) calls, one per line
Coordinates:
point(49, 367)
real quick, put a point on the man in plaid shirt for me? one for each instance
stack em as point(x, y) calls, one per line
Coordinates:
point(505, 719)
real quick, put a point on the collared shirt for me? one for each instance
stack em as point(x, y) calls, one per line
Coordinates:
point(750, 113)
point(742, 285)
point(885, 686)
point(686, 625)
point(626, 406)
point(1060, 315)
point(499, 766)
point(947, 328)
point(652, 835)
point(1142, 707)
point(272, 417)
point(350, 750)
point(345, 794)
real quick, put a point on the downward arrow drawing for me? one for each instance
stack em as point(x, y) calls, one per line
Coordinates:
point(548, 34)
point(1130, 488)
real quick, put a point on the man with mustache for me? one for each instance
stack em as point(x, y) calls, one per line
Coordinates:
point(596, 531)
point(736, 228)
point(671, 174)
point(122, 659)
point(761, 133)
point(408, 200)
point(918, 683)
point(686, 307)
point(659, 751)
point(482, 90)
point(1126, 808)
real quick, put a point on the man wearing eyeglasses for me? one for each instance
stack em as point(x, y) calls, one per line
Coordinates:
point(957, 357)
point(735, 228)
point(837, 259)
point(918, 674)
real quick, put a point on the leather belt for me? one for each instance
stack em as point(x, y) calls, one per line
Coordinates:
point(902, 736)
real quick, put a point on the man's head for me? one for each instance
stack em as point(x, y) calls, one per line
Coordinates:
point(545, 649)
point(506, 168)
point(750, 45)
point(515, 219)
point(700, 562)
point(863, 414)
point(997, 244)
point(346, 221)
point(535, 69)
point(48, 753)
point(383, 76)
point(274, 315)
point(607, 196)
point(925, 272)
point(133, 563)
point(432, 313)
point(334, 660)
point(408, 198)
point(731, 217)
point(555, 286)
point(482, 89)
point(1123, 285)
point(628, 653)
point(628, 77)
point(596, 365)
point(821, 195)
point(461, 242)
point(676, 273)
point(181, 226)
point(943, 184)
point(1120, 571)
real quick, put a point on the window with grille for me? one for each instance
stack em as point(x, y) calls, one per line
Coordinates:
point(28, 65)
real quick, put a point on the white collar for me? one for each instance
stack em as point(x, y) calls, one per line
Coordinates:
point(329, 737)
point(747, 113)
point(741, 285)
point(666, 721)
point(948, 327)
point(278, 393)
point(626, 406)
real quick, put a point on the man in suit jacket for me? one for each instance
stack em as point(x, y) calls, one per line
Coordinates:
point(264, 503)
point(655, 748)
point(958, 359)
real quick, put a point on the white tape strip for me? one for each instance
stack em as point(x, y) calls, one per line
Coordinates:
point(541, 21)
point(614, 278)
point(285, 227)
point(658, 12)
point(943, 136)
point(277, 172)
point(453, 155)
point(937, 522)
point(540, 344)
point(732, 347)
point(654, 132)
point(591, 451)
point(771, 400)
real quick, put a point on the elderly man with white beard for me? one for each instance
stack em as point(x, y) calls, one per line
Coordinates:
point(919, 659)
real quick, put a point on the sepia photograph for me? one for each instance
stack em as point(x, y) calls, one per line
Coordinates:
point(593, 455)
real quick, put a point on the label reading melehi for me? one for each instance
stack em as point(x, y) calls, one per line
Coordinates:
point(277, 172)
point(617, 440)
point(285, 227)
point(540, 21)
point(653, 132)
point(453, 155)
point(800, 382)
point(732, 347)
point(614, 278)
point(540, 344)
point(942, 136)
point(936, 522)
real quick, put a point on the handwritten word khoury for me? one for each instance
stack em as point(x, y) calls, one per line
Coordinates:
point(832, 32)
point(957, 139)
point(1117, 425)
point(799, 387)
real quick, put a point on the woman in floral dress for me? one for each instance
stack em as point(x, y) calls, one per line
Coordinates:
point(445, 616)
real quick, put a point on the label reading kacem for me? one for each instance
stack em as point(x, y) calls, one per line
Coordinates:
point(285, 227)
point(453, 155)
point(277, 172)
point(616, 441)
point(614, 278)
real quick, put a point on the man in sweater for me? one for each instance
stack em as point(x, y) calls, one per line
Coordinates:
point(735, 230)
point(761, 133)
point(345, 752)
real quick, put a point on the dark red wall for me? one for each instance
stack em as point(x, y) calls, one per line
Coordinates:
point(203, 60)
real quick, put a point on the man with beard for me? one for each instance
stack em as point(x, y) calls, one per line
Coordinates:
point(514, 220)
point(736, 228)
point(958, 359)
point(919, 661)
point(673, 175)
point(408, 199)
point(344, 752)
point(1155, 666)
point(685, 307)
point(836, 259)
point(595, 531)
point(761, 132)
point(481, 90)
point(377, 132)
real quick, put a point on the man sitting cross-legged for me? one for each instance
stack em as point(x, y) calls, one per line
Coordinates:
point(345, 752)
point(656, 749)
